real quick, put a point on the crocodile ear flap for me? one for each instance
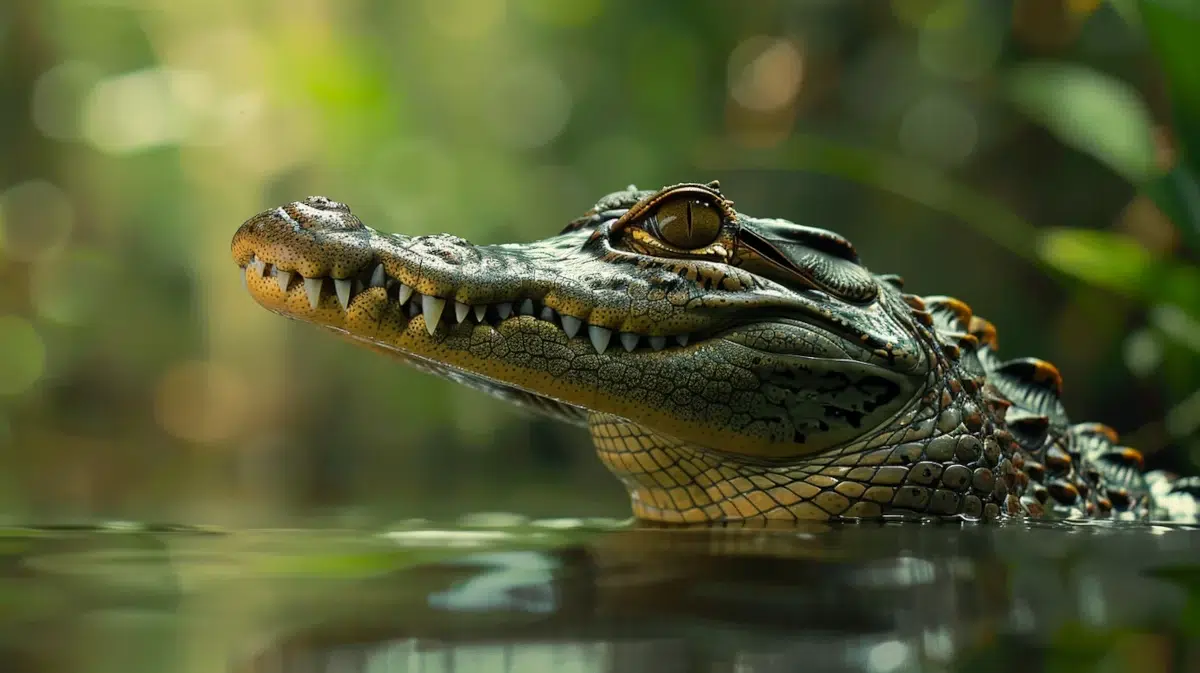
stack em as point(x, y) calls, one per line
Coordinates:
point(804, 257)
point(768, 252)
point(784, 237)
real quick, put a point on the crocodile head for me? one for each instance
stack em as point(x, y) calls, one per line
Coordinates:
point(685, 332)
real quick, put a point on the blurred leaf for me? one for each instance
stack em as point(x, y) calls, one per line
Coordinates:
point(1121, 264)
point(1177, 195)
point(1090, 111)
point(1173, 27)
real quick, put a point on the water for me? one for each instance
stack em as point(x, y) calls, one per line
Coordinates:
point(504, 595)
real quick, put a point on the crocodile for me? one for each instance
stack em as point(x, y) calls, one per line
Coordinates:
point(731, 370)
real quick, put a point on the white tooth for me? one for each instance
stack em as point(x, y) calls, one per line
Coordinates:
point(629, 341)
point(461, 310)
point(599, 336)
point(681, 339)
point(259, 266)
point(405, 293)
point(658, 342)
point(358, 286)
point(312, 286)
point(571, 325)
point(342, 287)
point(547, 314)
point(378, 278)
point(432, 307)
point(245, 283)
point(527, 307)
point(504, 309)
point(480, 311)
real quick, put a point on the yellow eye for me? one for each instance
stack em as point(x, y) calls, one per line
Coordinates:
point(688, 224)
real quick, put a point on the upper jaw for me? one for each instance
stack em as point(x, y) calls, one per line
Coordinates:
point(314, 260)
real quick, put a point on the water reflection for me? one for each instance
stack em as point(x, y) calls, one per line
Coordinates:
point(877, 599)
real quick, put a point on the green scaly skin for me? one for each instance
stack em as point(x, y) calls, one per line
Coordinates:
point(731, 369)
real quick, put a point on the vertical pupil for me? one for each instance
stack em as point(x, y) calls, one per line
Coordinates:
point(689, 220)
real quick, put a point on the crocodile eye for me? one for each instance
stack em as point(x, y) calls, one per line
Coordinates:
point(688, 224)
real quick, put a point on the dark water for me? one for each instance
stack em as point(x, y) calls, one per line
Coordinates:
point(507, 596)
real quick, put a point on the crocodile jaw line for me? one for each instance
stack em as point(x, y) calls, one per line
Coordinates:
point(535, 319)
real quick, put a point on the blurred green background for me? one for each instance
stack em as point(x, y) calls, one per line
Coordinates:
point(988, 151)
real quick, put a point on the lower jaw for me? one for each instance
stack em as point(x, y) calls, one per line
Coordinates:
point(519, 354)
point(525, 355)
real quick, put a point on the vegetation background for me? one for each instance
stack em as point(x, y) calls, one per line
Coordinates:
point(1008, 153)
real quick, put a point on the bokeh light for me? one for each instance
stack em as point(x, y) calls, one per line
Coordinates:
point(765, 73)
point(37, 220)
point(145, 109)
point(22, 355)
point(530, 105)
point(968, 51)
point(58, 98)
point(72, 297)
point(202, 402)
point(940, 127)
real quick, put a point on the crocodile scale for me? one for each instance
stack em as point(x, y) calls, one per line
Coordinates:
point(730, 369)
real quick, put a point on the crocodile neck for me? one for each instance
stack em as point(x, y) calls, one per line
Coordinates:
point(730, 369)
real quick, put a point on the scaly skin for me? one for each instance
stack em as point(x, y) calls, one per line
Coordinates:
point(730, 368)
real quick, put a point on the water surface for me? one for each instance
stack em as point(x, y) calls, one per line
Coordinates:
point(499, 594)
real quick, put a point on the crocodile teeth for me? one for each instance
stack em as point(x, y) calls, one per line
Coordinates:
point(432, 307)
point(547, 314)
point(504, 309)
point(461, 311)
point(681, 339)
point(414, 307)
point(527, 307)
point(405, 293)
point(600, 337)
point(571, 325)
point(658, 342)
point(259, 266)
point(480, 312)
point(629, 341)
point(342, 287)
point(312, 287)
point(284, 278)
point(378, 277)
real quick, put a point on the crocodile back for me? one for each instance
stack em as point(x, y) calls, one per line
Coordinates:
point(1070, 470)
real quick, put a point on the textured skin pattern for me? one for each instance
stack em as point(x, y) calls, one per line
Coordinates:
point(763, 376)
point(673, 482)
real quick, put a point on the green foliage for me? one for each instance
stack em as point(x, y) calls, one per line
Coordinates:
point(1107, 119)
point(1094, 113)
point(1119, 263)
point(1172, 27)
